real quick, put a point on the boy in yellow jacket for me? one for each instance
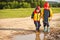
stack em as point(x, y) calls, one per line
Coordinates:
point(36, 17)
point(46, 15)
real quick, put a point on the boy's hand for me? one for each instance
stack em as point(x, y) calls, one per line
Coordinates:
point(31, 17)
point(50, 18)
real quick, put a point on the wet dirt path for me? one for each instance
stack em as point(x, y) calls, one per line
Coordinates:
point(23, 26)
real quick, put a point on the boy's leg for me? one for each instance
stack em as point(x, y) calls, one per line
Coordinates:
point(48, 28)
point(36, 24)
point(39, 25)
point(45, 28)
point(37, 28)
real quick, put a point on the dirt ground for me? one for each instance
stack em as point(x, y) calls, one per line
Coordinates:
point(15, 26)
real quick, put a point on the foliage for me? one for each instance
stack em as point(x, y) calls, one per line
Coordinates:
point(11, 4)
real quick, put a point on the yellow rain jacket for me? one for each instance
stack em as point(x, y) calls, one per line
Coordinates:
point(37, 16)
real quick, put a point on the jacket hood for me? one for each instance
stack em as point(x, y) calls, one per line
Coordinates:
point(46, 5)
point(37, 8)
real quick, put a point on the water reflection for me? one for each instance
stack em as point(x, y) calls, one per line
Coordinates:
point(37, 36)
point(40, 36)
point(33, 36)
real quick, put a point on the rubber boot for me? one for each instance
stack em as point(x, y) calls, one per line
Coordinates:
point(48, 29)
point(45, 29)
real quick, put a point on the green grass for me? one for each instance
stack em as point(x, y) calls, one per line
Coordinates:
point(21, 12)
point(16, 13)
point(56, 10)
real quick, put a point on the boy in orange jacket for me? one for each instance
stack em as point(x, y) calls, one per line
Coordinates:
point(36, 17)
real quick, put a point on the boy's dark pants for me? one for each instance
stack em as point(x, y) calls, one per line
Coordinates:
point(46, 23)
point(46, 16)
point(37, 24)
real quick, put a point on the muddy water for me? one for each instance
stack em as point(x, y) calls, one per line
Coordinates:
point(34, 36)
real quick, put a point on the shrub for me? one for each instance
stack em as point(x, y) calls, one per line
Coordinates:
point(26, 5)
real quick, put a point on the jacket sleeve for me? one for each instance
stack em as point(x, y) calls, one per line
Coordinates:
point(32, 15)
point(51, 14)
point(42, 12)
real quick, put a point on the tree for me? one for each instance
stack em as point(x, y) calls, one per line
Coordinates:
point(42, 3)
point(58, 4)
